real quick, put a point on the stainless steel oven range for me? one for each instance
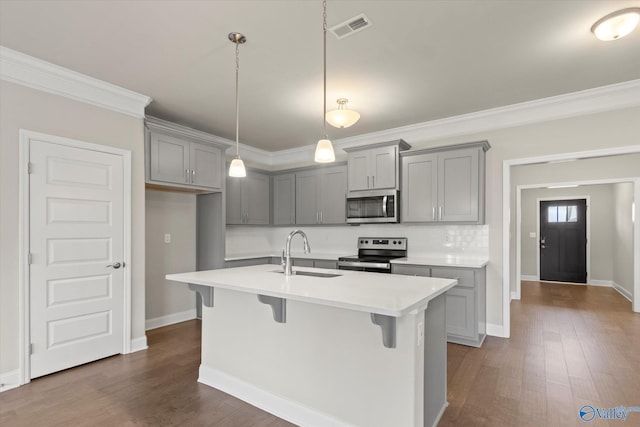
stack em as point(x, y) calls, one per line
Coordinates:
point(375, 254)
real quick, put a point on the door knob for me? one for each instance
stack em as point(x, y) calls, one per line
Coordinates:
point(115, 265)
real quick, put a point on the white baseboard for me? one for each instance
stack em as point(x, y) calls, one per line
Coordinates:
point(170, 319)
point(625, 293)
point(496, 330)
point(596, 282)
point(138, 344)
point(279, 406)
point(529, 278)
point(9, 380)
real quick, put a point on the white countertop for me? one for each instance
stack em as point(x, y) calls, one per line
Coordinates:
point(391, 295)
point(312, 255)
point(446, 260)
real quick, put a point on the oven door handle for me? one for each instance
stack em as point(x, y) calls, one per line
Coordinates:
point(382, 265)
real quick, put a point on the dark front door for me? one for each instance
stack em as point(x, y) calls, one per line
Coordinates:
point(563, 240)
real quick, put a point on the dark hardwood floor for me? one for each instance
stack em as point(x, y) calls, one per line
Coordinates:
point(570, 346)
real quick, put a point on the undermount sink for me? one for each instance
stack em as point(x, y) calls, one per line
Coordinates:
point(311, 273)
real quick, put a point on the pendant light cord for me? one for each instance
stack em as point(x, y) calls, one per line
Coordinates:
point(324, 47)
point(237, 100)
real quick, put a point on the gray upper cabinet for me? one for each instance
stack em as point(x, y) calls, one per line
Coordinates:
point(444, 185)
point(375, 167)
point(248, 199)
point(284, 196)
point(320, 196)
point(176, 158)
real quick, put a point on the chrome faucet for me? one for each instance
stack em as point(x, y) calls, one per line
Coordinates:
point(285, 260)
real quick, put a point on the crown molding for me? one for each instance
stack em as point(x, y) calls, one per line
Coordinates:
point(17, 67)
point(598, 100)
point(22, 69)
point(154, 123)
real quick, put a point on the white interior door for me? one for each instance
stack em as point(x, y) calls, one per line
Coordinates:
point(76, 229)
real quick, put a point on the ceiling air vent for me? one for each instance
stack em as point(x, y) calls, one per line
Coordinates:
point(351, 26)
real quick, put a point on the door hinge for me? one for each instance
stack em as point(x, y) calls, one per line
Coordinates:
point(29, 168)
point(30, 258)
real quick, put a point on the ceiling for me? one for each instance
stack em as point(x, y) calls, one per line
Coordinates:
point(419, 61)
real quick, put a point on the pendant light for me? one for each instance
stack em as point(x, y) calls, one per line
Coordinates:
point(617, 24)
point(236, 169)
point(324, 149)
point(342, 117)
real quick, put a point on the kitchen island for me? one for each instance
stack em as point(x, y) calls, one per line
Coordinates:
point(333, 348)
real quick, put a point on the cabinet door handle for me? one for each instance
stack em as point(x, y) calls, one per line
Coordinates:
point(439, 213)
point(193, 176)
point(433, 213)
point(321, 217)
point(186, 175)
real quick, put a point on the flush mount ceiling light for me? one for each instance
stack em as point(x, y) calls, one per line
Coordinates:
point(324, 149)
point(342, 117)
point(617, 24)
point(236, 169)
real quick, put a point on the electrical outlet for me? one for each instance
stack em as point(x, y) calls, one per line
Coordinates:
point(420, 333)
point(167, 238)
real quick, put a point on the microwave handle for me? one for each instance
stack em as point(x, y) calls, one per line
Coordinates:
point(384, 206)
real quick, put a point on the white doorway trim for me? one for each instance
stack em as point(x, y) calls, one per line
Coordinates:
point(506, 221)
point(25, 138)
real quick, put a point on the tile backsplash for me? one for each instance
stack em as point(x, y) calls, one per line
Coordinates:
point(423, 239)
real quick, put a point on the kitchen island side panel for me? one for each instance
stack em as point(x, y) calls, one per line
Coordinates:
point(435, 361)
point(325, 358)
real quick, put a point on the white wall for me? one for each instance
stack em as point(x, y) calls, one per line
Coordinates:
point(25, 108)
point(623, 247)
point(171, 213)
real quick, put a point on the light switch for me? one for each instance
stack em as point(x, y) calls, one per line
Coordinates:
point(532, 234)
point(167, 238)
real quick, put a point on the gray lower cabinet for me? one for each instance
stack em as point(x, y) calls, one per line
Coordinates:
point(465, 302)
point(248, 199)
point(320, 196)
point(444, 185)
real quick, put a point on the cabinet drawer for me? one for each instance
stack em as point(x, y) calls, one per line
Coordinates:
point(461, 312)
point(302, 262)
point(411, 270)
point(465, 277)
point(247, 262)
point(322, 263)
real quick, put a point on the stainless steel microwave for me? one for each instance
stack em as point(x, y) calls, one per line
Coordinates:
point(372, 206)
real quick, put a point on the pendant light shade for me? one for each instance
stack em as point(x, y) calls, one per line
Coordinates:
point(324, 152)
point(236, 168)
point(342, 117)
point(324, 148)
point(617, 24)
